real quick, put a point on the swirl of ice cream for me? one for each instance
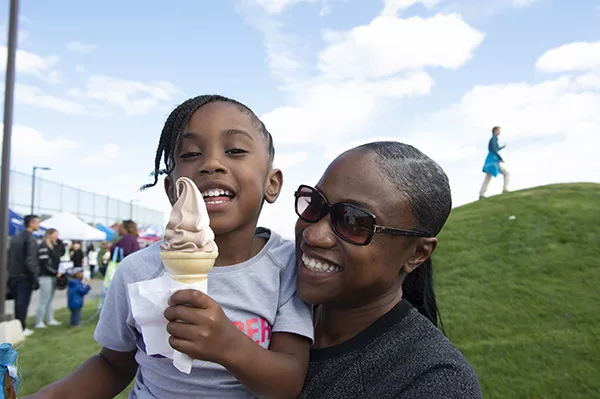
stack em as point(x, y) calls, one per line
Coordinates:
point(189, 229)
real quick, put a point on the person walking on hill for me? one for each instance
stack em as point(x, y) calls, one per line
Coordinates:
point(23, 269)
point(493, 164)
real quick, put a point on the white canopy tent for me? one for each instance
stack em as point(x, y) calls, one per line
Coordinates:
point(70, 227)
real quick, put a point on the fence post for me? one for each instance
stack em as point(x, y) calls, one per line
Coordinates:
point(79, 203)
point(61, 205)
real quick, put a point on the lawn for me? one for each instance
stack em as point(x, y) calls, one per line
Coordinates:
point(519, 297)
point(53, 353)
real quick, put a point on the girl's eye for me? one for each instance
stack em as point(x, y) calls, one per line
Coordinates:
point(190, 155)
point(236, 151)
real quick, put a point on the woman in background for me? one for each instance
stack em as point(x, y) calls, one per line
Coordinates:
point(92, 259)
point(128, 242)
point(76, 254)
point(49, 254)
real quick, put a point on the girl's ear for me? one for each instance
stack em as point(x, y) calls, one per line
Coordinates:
point(273, 185)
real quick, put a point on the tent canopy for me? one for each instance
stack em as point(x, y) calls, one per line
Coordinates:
point(70, 227)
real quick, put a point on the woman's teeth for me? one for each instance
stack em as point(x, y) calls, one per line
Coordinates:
point(319, 265)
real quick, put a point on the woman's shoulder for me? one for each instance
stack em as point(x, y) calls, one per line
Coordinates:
point(423, 351)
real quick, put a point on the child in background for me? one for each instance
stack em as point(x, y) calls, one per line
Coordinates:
point(251, 335)
point(76, 292)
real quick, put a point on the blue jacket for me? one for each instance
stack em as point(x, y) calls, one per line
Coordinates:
point(77, 290)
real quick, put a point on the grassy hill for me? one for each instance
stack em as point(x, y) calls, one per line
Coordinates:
point(521, 297)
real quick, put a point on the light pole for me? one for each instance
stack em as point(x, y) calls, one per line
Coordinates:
point(131, 208)
point(9, 91)
point(35, 168)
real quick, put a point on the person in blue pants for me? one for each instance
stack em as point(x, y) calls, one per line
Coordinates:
point(76, 293)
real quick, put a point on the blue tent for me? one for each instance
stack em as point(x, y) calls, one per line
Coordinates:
point(16, 224)
point(110, 233)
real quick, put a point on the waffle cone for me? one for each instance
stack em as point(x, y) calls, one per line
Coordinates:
point(188, 268)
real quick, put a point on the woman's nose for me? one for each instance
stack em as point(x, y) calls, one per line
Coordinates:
point(319, 234)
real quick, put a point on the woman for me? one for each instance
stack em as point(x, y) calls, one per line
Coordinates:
point(92, 259)
point(363, 250)
point(76, 254)
point(128, 242)
point(49, 254)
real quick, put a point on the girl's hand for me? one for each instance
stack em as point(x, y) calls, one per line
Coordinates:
point(199, 328)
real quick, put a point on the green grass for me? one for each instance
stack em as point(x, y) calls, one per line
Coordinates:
point(55, 352)
point(520, 298)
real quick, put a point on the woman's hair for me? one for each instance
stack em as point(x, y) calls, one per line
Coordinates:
point(91, 248)
point(130, 227)
point(47, 235)
point(169, 138)
point(424, 184)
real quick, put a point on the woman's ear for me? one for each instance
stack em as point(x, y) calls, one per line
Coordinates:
point(273, 185)
point(423, 251)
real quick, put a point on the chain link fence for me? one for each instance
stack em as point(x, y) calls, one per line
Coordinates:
point(52, 198)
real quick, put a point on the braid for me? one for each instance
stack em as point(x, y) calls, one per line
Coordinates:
point(169, 138)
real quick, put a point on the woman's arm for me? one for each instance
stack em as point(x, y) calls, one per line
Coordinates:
point(102, 376)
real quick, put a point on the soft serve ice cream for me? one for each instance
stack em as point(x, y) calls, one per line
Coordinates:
point(189, 250)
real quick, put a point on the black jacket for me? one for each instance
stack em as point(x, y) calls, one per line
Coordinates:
point(23, 257)
point(49, 259)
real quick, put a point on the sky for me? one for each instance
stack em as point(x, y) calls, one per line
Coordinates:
point(96, 81)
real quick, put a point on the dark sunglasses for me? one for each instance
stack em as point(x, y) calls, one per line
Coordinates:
point(349, 222)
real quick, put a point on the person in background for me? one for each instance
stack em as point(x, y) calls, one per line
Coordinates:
point(493, 164)
point(128, 242)
point(49, 254)
point(92, 259)
point(23, 269)
point(76, 254)
point(75, 295)
point(104, 257)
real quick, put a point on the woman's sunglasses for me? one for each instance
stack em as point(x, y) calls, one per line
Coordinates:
point(349, 222)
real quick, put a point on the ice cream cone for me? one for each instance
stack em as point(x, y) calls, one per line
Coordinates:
point(188, 267)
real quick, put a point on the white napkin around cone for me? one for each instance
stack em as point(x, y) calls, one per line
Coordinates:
point(149, 300)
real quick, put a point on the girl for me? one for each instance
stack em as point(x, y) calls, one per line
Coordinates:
point(252, 335)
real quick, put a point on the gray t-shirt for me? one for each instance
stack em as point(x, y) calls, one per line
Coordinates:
point(258, 296)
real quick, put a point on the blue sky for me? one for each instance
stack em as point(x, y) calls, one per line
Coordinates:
point(96, 81)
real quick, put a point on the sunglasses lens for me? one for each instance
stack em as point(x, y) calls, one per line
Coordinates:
point(352, 223)
point(309, 204)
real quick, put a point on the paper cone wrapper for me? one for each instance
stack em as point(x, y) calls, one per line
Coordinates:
point(188, 268)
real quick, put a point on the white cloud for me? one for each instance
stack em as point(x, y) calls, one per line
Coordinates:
point(278, 6)
point(31, 64)
point(287, 160)
point(388, 45)
point(523, 3)
point(83, 48)
point(79, 68)
point(392, 7)
point(29, 144)
point(34, 96)
point(109, 153)
point(133, 97)
point(326, 112)
point(578, 56)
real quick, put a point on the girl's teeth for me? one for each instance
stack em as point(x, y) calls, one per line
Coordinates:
point(320, 266)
